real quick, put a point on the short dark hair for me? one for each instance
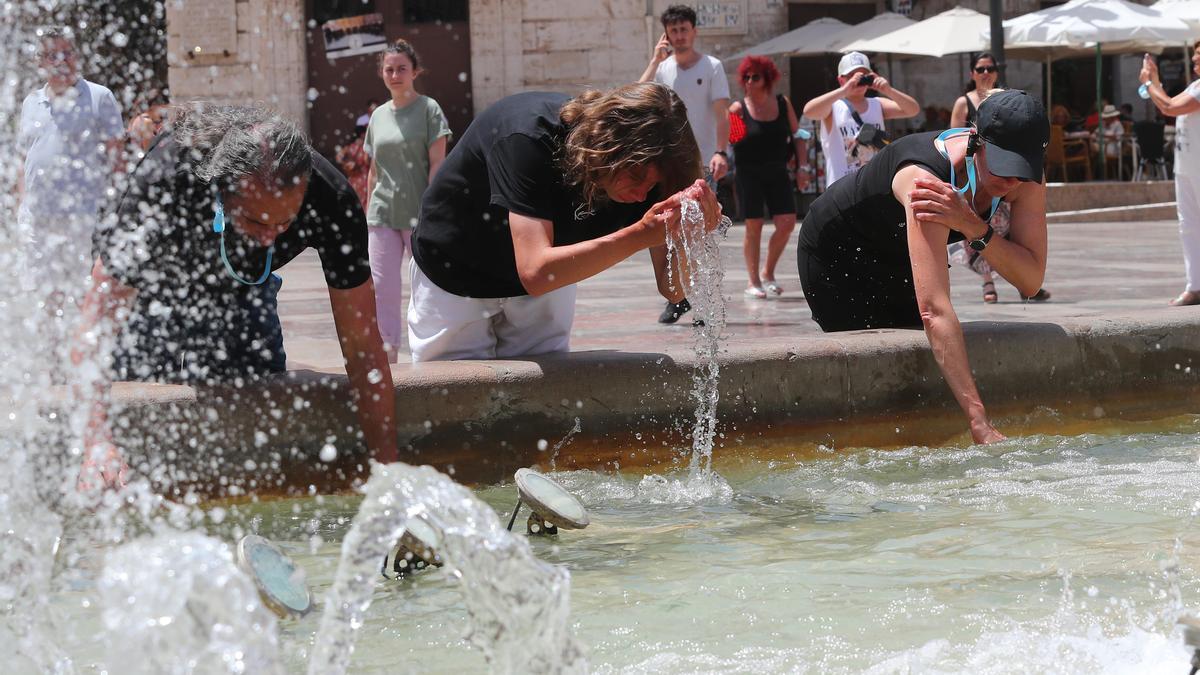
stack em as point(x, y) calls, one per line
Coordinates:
point(677, 13)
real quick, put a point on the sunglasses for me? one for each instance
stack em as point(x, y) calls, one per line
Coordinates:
point(985, 69)
point(752, 77)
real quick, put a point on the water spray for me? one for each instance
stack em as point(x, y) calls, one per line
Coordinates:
point(416, 550)
point(1191, 638)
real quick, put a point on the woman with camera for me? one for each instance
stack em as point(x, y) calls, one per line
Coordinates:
point(872, 250)
point(852, 116)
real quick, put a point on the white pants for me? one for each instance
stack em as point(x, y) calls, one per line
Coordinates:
point(388, 250)
point(446, 327)
point(1187, 199)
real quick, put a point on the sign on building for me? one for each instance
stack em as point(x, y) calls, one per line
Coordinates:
point(721, 18)
point(354, 35)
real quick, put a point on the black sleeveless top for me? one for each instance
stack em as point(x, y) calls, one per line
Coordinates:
point(859, 219)
point(972, 112)
point(764, 142)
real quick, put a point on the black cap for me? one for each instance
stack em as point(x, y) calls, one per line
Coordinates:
point(1015, 129)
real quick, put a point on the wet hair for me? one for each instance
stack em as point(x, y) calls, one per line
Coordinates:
point(761, 65)
point(404, 47)
point(677, 13)
point(228, 143)
point(632, 127)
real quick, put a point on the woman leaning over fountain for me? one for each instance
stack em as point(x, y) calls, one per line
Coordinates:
point(872, 250)
point(541, 192)
point(184, 277)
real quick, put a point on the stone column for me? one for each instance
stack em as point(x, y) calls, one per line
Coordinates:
point(239, 52)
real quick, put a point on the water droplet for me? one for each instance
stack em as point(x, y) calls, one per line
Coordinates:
point(328, 453)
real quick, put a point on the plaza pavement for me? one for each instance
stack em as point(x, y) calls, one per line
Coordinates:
point(1096, 270)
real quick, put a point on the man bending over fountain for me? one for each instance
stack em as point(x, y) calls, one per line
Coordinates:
point(872, 250)
point(544, 191)
point(185, 265)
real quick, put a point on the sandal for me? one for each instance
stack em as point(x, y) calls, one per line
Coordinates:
point(755, 292)
point(1186, 299)
point(989, 292)
point(1041, 296)
point(772, 287)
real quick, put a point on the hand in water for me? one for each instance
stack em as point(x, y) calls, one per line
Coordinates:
point(709, 206)
point(983, 433)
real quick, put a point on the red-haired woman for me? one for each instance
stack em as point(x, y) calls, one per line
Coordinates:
point(761, 156)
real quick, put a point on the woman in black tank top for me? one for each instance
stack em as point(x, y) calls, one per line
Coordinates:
point(983, 78)
point(872, 250)
point(761, 147)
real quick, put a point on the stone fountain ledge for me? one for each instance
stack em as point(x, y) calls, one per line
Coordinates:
point(485, 417)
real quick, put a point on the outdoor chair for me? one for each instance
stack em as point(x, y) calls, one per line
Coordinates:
point(1150, 140)
point(1062, 153)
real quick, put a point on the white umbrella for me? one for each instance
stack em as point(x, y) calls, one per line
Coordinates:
point(951, 32)
point(1112, 26)
point(1115, 25)
point(876, 26)
point(1187, 11)
point(794, 42)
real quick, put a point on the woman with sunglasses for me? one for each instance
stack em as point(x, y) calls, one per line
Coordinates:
point(761, 153)
point(872, 250)
point(184, 272)
point(984, 74)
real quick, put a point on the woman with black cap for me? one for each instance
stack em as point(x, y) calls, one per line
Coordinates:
point(873, 250)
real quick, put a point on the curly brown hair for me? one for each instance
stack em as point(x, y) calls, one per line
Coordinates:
point(630, 128)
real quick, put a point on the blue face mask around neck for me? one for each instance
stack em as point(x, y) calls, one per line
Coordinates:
point(971, 180)
point(219, 227)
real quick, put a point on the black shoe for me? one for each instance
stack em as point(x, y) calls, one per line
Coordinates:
point(674, 310)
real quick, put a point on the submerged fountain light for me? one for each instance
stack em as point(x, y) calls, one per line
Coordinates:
point(552, 506)
point(416, 550)
point(280, 583)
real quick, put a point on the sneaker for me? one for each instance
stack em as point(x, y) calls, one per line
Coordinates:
point(674, 310)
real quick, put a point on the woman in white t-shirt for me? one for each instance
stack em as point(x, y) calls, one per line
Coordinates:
point(1183, 107)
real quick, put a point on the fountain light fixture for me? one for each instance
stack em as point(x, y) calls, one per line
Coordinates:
point(416, 550)
point(550, 504)
point(280, 583)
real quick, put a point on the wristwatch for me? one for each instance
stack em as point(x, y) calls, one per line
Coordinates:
point(982, 242)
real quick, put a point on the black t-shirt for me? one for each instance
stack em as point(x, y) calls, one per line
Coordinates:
point(859, 219)
point(507, 161)
point(159, 238)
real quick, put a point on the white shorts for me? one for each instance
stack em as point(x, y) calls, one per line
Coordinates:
point(446, 327)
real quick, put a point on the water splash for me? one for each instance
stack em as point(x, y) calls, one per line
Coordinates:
point(702, 281)
point(517, 605)
point(177, 603)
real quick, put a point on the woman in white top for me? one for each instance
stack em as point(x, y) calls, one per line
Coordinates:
point(1183, 107)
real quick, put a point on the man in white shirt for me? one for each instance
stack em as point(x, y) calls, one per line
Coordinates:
point(699, 81)
point(1185, 108)
point(846, 110)
point(70, 139)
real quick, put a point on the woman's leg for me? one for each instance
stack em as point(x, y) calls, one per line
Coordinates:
point(1187, 199)
point(752, 249)
point(385, 247)
point(785, 224)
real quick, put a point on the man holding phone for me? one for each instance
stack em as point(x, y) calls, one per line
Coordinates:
point(699, 81)
point(852, 116)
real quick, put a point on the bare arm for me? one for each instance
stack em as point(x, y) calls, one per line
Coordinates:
point(1182, 103)
point(661, 51)
point(821, 107)
point(105, 309)
point(958, 116)
point(666, 276)
point(931, 282)
point(895, 103)
point(367, 367)
point(800, 146)
point(718, 164)
point(371, 182)
point(437, 155)
point(1021, 259)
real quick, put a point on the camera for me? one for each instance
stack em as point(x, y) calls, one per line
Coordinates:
point(871, 136)
point(867, 80)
